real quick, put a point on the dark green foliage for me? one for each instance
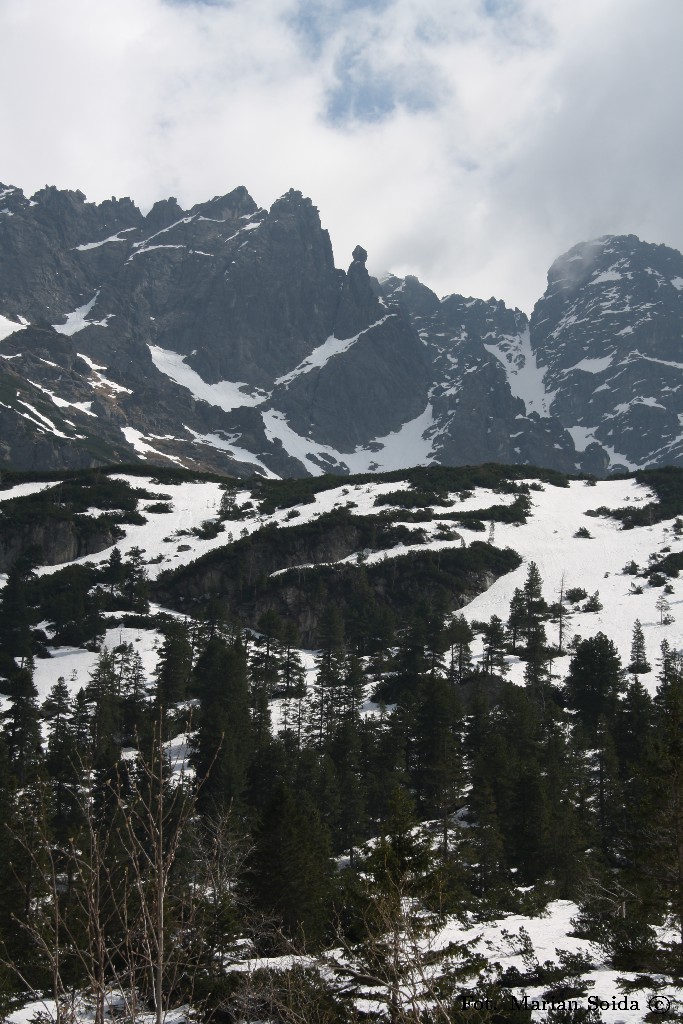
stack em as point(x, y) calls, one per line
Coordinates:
point(434, 480)
point(667, 483)
point(18, 614)
point(243, 574)
point(639, 664)
point(222, 743)
point(290, 868)
point(593, 604)
point(70, 496)
point(524, 793)
point(174, 664)
point(594, 680)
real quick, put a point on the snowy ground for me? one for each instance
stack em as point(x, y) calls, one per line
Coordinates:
point(547, 538)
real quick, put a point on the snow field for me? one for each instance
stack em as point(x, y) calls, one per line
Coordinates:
point(547, 539)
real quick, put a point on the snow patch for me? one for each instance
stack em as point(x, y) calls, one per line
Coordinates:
point(61, 403)
point(226, 444)
point(40, 420)
point(8, 327)
point(581, 436)
point(102, 381)
point(77, 320)
point(525, 377)
point(606, 275)
point(409, 444)
point(105, 241)
point(226, 394)
point(137, 440)
point(323, 353)
point(592, 365)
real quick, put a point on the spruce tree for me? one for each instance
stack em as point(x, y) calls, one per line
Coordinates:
point(459, 635)
point(22, 727)
point(222, 744)
point(639, 664)
point(174, 665)
point(594, 680)
point(493, 659)
point(290, 872)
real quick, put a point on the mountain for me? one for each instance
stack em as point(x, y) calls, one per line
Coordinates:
point(224, 338)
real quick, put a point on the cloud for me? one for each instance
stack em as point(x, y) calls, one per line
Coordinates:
point(467, 141)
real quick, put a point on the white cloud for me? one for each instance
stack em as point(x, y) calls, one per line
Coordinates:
point(467, 141)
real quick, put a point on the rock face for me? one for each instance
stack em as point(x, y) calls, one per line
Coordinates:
point(609, 330)
point(225, 338)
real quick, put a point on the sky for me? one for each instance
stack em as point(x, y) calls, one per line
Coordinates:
point(468, 142)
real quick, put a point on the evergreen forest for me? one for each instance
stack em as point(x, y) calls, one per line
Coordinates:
point(328, 775)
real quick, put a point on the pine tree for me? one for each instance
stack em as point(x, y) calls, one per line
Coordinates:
point(659, 848)
point(135, 586)
point(535, 606)
point(324, 706)
point(346, 755)
point(135, 706)
point(114, 573)
point(64, 759)
point(437, 754)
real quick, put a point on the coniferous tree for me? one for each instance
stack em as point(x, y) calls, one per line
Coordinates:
point(639, 664)
point(16, 614)
point(324, 709)
point(493, 659)
point(104, 701)
point(114, 573)
point(174, 665)
point(486, 849)
point(63, 759)
point(22, 727)
point(459, 635)
point(223, 740)
point(594, 680)
point(659, 853)
point(535, 606)
point(290, 868)
point(135, 705)
point(346, 755)
point(517, 618)
point(437, 753)
point(135, 585)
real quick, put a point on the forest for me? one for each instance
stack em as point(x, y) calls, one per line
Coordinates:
point(246, 835)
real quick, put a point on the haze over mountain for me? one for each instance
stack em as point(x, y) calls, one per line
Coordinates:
point(225, 337)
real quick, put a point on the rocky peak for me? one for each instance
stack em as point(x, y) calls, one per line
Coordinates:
point(358, 304)
point(609, 329)
point(237, 203)
point(164, 213)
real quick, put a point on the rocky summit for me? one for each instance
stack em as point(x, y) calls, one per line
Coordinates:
point(224, 338)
